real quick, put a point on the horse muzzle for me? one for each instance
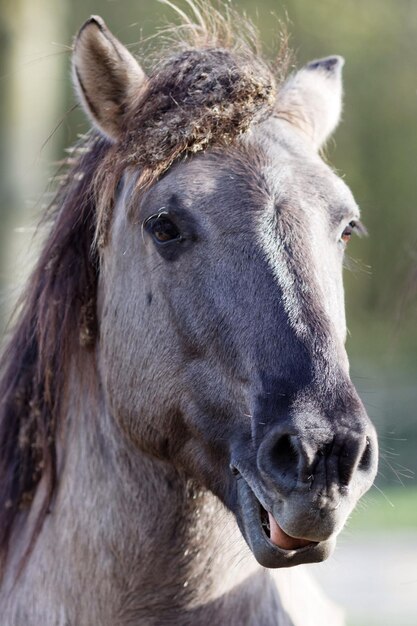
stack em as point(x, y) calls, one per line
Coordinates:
point(251, 517)
point(294, 503)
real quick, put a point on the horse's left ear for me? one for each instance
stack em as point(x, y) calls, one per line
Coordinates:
point(311, 99)
point(107, 77)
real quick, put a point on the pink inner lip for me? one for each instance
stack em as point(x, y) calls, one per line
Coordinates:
point(280, 538)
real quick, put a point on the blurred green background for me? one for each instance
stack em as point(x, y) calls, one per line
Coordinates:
point(375, 149)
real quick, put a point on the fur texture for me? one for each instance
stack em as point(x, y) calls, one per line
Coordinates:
point(177, 371)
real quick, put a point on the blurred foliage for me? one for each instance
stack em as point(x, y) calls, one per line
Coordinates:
point(375, 149)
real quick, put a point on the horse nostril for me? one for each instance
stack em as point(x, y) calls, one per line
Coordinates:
point(292, 462)
point(284, 459)
point(365, 462)
point(357, 455)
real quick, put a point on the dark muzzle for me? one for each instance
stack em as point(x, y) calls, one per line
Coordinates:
point(317, 475)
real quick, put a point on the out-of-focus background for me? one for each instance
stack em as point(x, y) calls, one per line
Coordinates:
point(374, 571)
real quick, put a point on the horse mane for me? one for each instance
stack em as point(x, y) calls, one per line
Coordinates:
point(207, 92)
point(56, 319)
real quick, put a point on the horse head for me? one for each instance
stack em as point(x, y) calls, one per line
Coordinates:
point(221, 306)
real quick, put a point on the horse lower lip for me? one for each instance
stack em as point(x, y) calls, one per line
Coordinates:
point(254, 524)
point(280, 538)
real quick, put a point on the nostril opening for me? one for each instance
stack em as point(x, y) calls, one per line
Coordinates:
point(285, 457)
point(365, 462)
point(352, 460)
point(345, 468)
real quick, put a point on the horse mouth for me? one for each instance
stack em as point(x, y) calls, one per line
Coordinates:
point(270, 544)
point(277, 536)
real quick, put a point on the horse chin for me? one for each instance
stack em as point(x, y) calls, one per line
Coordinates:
point(272, 547)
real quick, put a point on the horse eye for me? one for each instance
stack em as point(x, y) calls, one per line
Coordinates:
point(347, 233)
point(162, 229)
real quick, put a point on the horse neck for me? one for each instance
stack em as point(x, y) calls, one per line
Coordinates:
point(133, 532)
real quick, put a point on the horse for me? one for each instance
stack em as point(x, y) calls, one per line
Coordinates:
point(178, 426)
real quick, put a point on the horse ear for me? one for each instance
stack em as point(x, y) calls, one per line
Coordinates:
point(106, 76)
point(311, 99)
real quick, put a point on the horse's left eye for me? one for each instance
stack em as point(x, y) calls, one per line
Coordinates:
point(347, 233)
point(162, 229)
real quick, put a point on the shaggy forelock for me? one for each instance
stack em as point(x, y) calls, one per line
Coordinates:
point(210, 88)
point(196, 99)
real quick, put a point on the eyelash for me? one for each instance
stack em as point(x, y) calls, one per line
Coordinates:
point(162, 229)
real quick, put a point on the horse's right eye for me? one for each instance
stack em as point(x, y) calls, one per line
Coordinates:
point(162, 229)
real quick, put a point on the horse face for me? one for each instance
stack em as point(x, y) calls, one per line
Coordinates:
point(223, 330)
point(222, 321)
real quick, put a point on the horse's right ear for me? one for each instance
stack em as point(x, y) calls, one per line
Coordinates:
point(106, 76)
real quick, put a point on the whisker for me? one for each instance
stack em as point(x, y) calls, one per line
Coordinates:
point(384, 495)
